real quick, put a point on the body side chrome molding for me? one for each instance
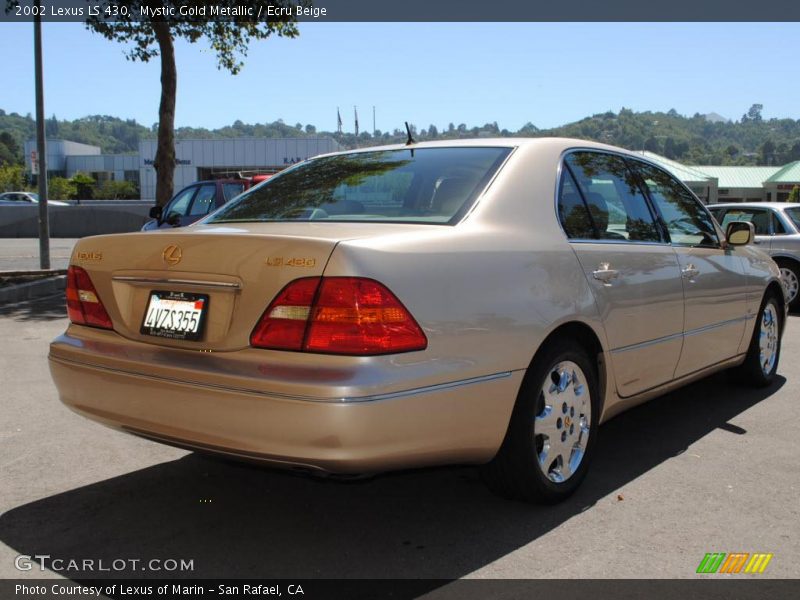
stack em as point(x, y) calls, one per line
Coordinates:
point(170, 281)
point(674, 336)
point(343, 400)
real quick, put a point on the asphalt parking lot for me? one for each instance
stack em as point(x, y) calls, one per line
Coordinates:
point(710, 468)
point(17, 254)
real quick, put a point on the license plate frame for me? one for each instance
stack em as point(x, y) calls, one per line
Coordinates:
point(171, 301)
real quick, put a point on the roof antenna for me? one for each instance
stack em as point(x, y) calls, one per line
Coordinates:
point(410, 139)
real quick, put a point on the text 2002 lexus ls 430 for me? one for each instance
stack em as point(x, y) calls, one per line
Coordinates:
point(481, 302)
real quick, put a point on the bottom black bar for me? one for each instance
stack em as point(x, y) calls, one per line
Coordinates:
point(401, 589)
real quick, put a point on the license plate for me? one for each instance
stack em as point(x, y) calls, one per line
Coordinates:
point(175, 315)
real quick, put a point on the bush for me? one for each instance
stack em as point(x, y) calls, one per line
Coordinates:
point(116, 190)
point(59, 188)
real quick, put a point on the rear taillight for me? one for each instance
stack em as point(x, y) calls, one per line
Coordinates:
point(83, 304)
point(338, 315)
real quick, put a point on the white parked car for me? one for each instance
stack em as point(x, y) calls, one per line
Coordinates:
point(23, 198)
point(777, 229)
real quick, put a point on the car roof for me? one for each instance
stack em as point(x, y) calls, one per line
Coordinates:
point(774, 205)
point(215, 181)
point(555, 143)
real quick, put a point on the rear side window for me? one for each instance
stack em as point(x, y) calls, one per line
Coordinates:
point(414, 185)
point(613, 204)
point(231, 190)
point(688, 222)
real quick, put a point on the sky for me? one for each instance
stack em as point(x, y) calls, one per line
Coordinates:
point(548, 74)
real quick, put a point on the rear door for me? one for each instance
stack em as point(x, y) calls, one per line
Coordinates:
point(714, 284)
point(631, 267)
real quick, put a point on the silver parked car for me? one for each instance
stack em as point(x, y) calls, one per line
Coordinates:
point(777, 229)
point(25, 199)
point(486, 302)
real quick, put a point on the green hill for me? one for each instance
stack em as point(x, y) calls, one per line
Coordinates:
point(699, 139)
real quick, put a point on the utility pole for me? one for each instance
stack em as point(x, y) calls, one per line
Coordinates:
point(41, 145)
point(373, 120)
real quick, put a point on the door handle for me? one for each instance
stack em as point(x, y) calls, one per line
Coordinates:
point(605, 274)
point(690, 272)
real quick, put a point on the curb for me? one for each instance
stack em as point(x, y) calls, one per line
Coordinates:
point(32, 289)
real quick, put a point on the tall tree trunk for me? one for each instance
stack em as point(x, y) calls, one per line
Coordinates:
point(164, 162)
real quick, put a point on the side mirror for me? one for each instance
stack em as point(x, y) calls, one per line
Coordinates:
point(156, 212)
point(740, 233)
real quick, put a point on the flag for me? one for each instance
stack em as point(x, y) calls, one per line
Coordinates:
point(338, 120)
point(355, 110)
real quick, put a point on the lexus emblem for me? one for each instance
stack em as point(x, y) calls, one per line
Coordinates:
point(172, 255)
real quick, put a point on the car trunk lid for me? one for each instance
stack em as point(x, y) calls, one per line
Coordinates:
point(234, 272)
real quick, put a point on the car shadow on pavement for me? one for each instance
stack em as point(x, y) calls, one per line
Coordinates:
point(236, 520)
point(48, 308)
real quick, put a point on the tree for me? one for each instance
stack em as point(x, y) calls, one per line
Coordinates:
point(754, 114)
point(9, 150)
point(794, 195)
point(51, 127)
point(768, 152)
point(669, 148)
point(84, 186)
point(149, 36)
point(11, 178)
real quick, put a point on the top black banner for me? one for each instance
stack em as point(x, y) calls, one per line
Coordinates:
point(330, 11)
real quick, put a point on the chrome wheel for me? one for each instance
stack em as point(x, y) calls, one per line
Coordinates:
point(563, 421)
point(768, 338)
point(790, 283)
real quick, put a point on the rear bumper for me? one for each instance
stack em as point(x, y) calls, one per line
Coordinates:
point(462, 421)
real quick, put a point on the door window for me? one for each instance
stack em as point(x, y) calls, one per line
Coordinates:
point(204, 200)
point(688, 222)
point(600, 198)
point(180, 203)
point(759, 217)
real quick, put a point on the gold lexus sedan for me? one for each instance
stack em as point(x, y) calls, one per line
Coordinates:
point(486, 302)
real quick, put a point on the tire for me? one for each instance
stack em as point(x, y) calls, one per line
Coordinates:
point(761, 363)
point(790, 272)
point(531, 464)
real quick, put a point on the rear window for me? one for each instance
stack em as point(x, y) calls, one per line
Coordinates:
point(423, 185)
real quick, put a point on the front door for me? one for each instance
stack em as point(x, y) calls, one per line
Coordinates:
point(630, 266)
point(714, 284)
